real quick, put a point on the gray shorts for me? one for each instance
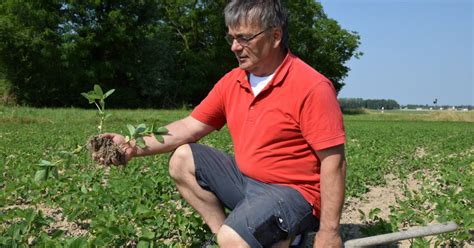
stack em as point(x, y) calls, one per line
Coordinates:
point(262, 214)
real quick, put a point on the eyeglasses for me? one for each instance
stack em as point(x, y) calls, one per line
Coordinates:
point(242, 40)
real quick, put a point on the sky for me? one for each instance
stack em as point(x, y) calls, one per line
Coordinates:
point(415, 51)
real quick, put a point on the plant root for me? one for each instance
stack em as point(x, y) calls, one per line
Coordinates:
point(105, 151)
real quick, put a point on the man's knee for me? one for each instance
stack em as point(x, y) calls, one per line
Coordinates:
point(181, 162)
point(227, 237)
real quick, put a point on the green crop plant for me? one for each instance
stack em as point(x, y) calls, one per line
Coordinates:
point(97, 97)
point(103, 149)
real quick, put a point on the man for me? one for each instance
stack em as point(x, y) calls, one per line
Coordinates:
point(288, 173)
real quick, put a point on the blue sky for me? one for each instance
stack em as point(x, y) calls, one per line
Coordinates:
point(414, 50)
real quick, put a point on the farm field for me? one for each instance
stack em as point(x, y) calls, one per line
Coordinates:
point(404, 170)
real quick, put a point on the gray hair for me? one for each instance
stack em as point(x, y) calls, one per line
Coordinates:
point(266, 13)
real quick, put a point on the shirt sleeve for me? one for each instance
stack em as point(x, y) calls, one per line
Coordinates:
point(211, 110)
point(321, 119)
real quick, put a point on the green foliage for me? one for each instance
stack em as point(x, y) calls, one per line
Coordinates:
point(98, 97)
point(140, 205)
point(137, 133)
point(47, 170)
point(155, 53)
point(375, 225)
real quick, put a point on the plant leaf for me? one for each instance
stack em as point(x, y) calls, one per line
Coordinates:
point(90, 99)
point(84, 189)
point(161, 130)
point(143, 244)
point(141, 142)
point(40, 175)
point(98, 91)
point(80, 242)
point(140, 128)
point(108, 93)
point(147, 234)
point(45, 163)
point(160, 138)
point(131, 130)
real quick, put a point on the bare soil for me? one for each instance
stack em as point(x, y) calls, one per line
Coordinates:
point(71, 229)
point(381, 197)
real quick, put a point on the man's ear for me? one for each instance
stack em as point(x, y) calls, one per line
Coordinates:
point(277, 34)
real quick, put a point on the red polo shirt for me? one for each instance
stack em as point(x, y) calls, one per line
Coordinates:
point(275, 134)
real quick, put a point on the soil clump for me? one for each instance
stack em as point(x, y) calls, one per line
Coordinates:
point(105, 151)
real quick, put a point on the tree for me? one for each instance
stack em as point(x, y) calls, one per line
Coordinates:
point(156, 53)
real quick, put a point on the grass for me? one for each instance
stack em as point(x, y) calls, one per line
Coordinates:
point(140, 206)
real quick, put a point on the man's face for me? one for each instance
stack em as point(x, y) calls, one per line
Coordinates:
point(255, 56)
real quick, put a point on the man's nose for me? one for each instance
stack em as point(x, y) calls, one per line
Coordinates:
point(235, 46)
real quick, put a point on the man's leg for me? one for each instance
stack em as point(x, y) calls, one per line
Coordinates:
point(182, 171)
point(227, 237)
point(268, 216)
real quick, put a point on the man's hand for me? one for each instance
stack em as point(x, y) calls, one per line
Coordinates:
point(129, 149)
point(327, 239)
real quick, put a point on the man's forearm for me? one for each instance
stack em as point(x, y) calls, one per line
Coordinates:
point(333, 173)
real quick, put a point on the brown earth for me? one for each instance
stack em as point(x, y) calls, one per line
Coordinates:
point(381, 197)
point(105, 151)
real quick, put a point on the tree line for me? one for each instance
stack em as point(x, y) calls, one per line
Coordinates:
point(155, 53)
point(359, 103)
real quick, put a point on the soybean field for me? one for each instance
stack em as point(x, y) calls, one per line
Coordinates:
point(53, 195)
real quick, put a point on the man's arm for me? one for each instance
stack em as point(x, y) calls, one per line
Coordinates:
point(180, 132)
point(333, 173)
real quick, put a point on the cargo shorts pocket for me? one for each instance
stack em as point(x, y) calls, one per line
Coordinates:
point(275, 227)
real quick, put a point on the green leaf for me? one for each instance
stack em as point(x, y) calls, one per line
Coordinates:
point(98, 91)
point(30, 216)
point(45, 163)
point(80, 242)
point(161, 130)
point(141, 142)
point(115, 230)
point(90, 99)
point(147, 234)
point(40, 175)
point(141, 209)
point(131, 130)
point(143, 244)
point(141, 128)
point(92, 96)
point(107, 116)
point(83, 189)
point(160, 138)
point(108, 93)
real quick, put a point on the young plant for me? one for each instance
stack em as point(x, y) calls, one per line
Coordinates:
point(98, 97)
point(103, 149)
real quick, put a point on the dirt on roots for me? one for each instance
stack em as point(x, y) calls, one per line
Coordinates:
point(105, 151)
